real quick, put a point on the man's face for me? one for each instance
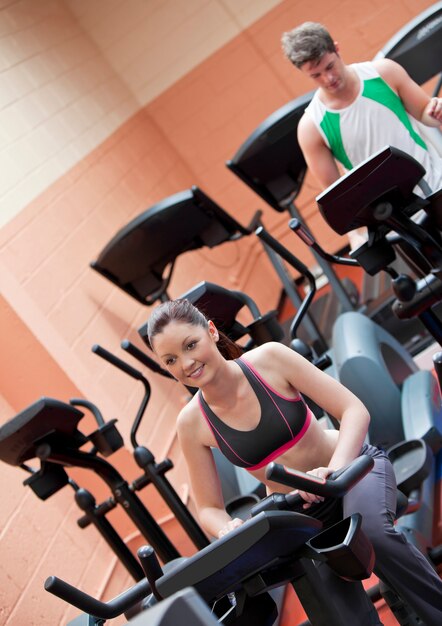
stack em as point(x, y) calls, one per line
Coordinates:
point(328, 73)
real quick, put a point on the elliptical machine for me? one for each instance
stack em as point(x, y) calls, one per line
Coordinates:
point(52, 432)
point(271, 163)
point(378, 194)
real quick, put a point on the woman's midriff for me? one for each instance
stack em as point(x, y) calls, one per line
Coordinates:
point(315, 449)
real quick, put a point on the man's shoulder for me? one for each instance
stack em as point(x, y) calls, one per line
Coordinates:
point(306, 120)
point(312, 110)
point(388, 69)
point(362, 64)
point(307, 129)
point(365, 69)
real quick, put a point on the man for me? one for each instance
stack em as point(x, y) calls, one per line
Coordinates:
point(358, 109)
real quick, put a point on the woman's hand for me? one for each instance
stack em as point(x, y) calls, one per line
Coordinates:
point(311, 498)
point(234, 523)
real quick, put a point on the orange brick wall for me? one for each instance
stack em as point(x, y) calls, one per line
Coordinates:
point(55, 307)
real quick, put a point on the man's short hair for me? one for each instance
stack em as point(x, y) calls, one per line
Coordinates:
point(307, 42)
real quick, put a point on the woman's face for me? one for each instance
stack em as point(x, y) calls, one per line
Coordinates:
point(187, 351)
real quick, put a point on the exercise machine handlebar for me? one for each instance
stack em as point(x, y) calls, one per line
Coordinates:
point(299, 229)
point(105, 610)
point(117, 362)
point(91, 407)
point(335, 486)
point(298, 266)
point(344, 478)
point(154, 472)
point(152, 568)
point(145, 359)
point(134, 373)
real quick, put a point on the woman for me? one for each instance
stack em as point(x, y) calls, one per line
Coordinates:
point(250, 407)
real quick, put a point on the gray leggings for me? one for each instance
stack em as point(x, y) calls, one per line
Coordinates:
point(398, 562)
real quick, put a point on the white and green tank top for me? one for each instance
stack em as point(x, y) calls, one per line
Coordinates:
point(375, 119)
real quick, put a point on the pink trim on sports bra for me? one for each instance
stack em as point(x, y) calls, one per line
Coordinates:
point(286, 446)
point(268, 459)
point(266, 384)
point(267, 388)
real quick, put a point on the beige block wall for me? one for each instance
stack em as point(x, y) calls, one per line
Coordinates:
point(73, 71)
point(152, 44)
point(59, 98)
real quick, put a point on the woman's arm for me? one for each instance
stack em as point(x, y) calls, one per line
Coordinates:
point(332, 396)
point(336, 400)
point(203, 475)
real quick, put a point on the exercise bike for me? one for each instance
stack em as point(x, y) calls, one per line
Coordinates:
point(234, 574)
point(327, 616)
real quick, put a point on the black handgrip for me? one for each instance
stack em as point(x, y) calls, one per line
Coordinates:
point(145, 359)
point(322, 362)
point(117, 362)
point(255, 221)
point(437, 362)
point(151, 567)
point(86, 603)
point(100, 511)
point(335, 486)
point(299, 229)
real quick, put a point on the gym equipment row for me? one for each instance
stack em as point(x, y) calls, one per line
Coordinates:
point(49, 430)
point(418, 455)
point(262, 553)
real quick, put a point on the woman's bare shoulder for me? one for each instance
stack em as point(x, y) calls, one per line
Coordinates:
point(270, 349)
point(192, 429)
point(274, 358)
point(189, 414)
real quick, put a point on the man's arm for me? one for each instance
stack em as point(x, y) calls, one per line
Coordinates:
point(322, 164)
point(418, 103)
point(317, 154)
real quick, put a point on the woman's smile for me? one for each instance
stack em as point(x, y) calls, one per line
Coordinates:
point(196, 373)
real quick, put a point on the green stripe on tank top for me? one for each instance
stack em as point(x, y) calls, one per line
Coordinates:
point(377, 89)
point(331, 126)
